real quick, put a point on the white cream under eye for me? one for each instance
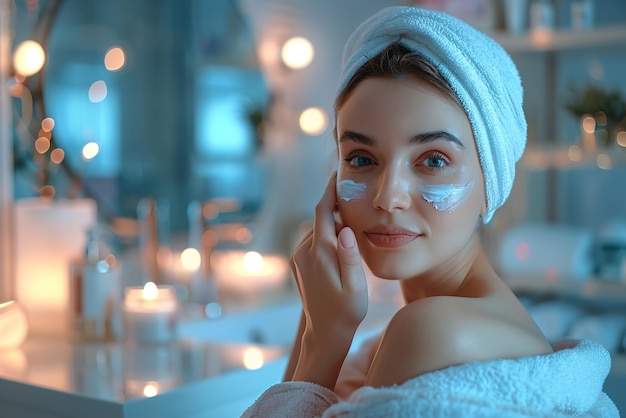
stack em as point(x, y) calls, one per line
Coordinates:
point(445, 196)
point(350, 190)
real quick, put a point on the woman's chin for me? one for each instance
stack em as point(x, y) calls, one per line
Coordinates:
point(390, 271)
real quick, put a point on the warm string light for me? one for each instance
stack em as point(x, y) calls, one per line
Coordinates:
point(115, 59)
point(297, 53)
point(28, 58)
point(313, 121)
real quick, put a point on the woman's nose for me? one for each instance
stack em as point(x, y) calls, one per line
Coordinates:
point(393, 192)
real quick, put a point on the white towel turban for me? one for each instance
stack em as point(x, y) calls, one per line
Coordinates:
point(480, 72)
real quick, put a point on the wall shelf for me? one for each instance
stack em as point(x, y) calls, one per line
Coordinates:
point(561, 40)
point(566, 157)
point(592, 290)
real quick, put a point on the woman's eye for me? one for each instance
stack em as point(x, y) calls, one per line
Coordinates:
point(359, 161)
point(436, 161)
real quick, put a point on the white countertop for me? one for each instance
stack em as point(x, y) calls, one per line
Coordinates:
point(202, 374)
point(58, 378)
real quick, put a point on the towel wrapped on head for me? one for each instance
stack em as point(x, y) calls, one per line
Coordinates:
point(480, 72)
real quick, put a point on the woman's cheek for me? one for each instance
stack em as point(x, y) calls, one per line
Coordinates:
point(349, 190)
point(350, 195)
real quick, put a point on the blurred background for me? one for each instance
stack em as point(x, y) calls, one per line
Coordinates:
point(207, 125)
point(194, 100)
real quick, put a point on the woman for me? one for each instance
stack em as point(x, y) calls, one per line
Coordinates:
point(429, 126)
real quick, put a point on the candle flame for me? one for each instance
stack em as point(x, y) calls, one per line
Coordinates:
point(253, 358)
point(151, 389)
point(150, 291)
point(253, 262)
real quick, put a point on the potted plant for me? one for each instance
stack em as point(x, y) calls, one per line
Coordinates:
point(606, 107)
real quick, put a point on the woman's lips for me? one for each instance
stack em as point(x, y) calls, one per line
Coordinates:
point(390, 238)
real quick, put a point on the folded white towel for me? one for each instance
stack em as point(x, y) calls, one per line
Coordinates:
point(566, 383)
point(480, 72)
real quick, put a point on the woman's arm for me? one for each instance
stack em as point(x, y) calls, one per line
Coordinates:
point(295, 350)
point(329, 273)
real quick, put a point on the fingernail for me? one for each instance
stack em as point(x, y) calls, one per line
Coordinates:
point(346, 238)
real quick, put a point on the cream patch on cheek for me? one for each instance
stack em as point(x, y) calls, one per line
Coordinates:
point(445, 196)
point(350, 190)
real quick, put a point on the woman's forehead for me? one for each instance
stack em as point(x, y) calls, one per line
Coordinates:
point(378, 104)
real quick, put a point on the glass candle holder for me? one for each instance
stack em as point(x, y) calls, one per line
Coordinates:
point(150, 314)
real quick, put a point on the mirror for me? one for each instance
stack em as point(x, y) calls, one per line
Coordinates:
point(171, 94)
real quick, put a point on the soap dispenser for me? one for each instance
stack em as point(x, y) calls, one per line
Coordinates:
point(95, 292)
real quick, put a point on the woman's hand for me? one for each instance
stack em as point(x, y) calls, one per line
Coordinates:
point(332, 285)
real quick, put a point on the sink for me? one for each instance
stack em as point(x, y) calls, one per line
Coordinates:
point(274, 325)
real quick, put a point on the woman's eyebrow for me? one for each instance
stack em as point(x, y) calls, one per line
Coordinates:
point(357, 137)
point(421, 138)
point(426, 137)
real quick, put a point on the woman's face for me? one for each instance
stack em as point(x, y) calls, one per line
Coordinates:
point(409, 181)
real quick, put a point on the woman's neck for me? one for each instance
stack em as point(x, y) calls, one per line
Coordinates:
point(467, 274)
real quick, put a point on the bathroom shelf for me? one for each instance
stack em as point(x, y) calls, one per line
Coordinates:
point(562, 157)
point(592, 290)
point(561, 40)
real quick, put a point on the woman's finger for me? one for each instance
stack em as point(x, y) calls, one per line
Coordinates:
point(324, 224)
point(350, 266)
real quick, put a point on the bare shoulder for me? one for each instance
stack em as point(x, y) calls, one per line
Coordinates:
point(439, 332)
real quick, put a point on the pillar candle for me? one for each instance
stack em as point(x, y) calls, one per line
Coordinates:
point(150, 314)
point(49, 236)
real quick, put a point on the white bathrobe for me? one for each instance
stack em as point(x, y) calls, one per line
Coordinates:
point(565, 383)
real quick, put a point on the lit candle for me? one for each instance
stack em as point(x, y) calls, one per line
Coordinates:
point(49, 236)
point(249, 271)
point(150, 314)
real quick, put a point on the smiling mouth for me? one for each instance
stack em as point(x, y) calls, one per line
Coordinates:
point(390, 240)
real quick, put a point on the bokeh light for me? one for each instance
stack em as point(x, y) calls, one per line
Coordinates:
point(589, 124)
point(47, 125)
point(297, 53)
point(57, 155)
point(115, 59)
point(28, 58)
point(190, 259)
point(97, 91)
point(42, 145)
point(603, 161)
point(253, 358)
point(575, 153)
point(313, 121)
point(90, 150)
point(151, 389)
